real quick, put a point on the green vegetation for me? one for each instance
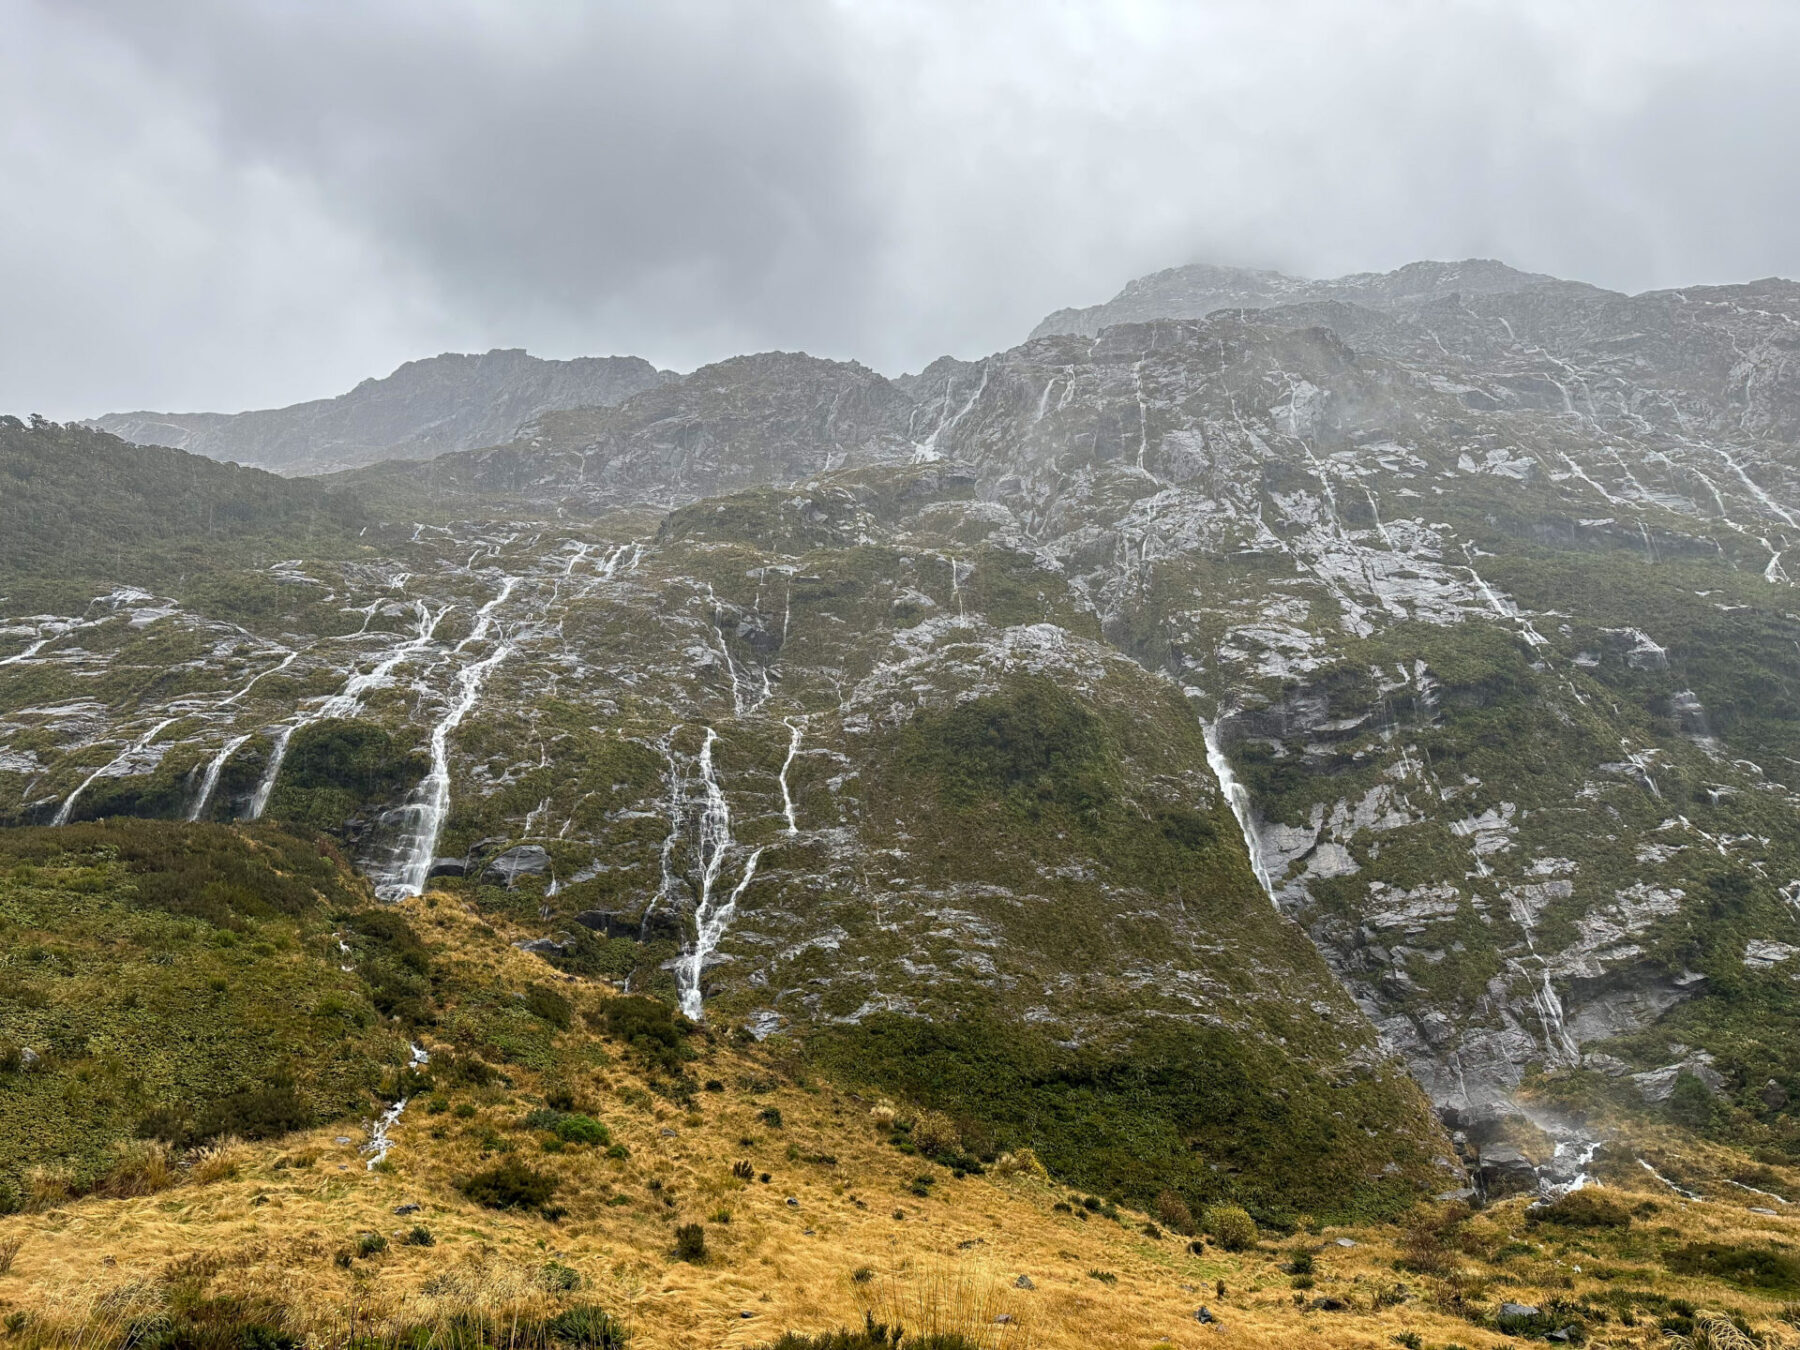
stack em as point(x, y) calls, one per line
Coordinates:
point(510, 1184)
point(336, 768)
point(179, 982)
point(77, 504)
point(1200, 1112)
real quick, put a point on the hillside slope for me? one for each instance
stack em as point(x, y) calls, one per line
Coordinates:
point(1063, 691)
point(565, 1173)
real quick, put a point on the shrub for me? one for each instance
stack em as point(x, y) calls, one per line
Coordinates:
point(1302, 1264)
point(648, 1026)
point(934, 1132)
point(1586, 1208)
point(690, 1242)
point(1691, 1102)
point(1174, 1212)
point(418, 1236)
point(588, 1328)
point(544, 1002)
point(1750, 1267)
point(569, 1127)
point(510, 1185)
point(770, 1116)
point(370, 1244)
point(557, 1278)
point(1231, 1227)
point(258, 1113)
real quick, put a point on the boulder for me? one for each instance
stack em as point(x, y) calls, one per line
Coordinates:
point(1502, 1170)
point(660, 924)
point(609, 923)
point(1518, 1310)
point(544, 947)
point(523, 861)
point(447, 867)
point(1024, 1282)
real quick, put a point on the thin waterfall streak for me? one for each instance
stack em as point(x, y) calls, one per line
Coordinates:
point(259, 800)
point(711, 917)
point(347, 702)
point(431, 800)
point(797, 729)
point(1237, 797)
point(137, 747)
point(213, 769)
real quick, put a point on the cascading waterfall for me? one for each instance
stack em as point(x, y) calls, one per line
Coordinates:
point(711, 916)
point(136, 748)
point(797, 728)
point(348, 700)
point(213, 769)
point(1237, 796)
point(431, 801)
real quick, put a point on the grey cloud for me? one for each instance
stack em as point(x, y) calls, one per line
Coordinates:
point(228, 203)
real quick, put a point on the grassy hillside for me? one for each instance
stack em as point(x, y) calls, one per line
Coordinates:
point(181, 983)
point(582, 1170)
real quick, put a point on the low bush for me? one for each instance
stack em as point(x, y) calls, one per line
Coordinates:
point(690, 1242)
point(552, 1007)
point(586, 1327)
point(649, 1027)
point(1749, 1267)
point(1174, 1212)
point(934, 1132)
point(569, 1126)
point(510, 1185)
point(1585, 1208)
point(1231, 1227)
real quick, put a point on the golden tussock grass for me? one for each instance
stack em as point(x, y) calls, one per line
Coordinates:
point(281, 1225)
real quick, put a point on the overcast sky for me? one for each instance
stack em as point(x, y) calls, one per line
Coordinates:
point(236, 203)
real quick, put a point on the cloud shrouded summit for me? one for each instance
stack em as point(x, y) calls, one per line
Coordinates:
point(231, 205)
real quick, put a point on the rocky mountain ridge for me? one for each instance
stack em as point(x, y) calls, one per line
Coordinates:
point(425, 408)
point(1467, 606)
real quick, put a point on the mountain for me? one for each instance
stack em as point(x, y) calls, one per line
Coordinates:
point(425, 408)
point(1194, 291)
point(776, 417)
point(1290, 694)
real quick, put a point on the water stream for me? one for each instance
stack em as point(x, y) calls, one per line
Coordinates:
point(1237, 796)
point(405, 875)
point(712, 916)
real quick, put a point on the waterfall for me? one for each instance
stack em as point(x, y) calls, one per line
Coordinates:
point(787, 800)
point(711, 916)
point(1237, 796)
point(213, 769)
point(431, 800)
point(131, 751)
point(348, 700)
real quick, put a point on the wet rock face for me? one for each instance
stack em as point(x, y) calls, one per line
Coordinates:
point(1480, 581)
point(527, 860)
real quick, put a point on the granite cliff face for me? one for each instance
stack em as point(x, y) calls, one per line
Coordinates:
point(1440, 618)
point(425, 408)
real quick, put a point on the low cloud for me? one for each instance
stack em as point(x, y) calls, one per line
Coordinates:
point(239, 204)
